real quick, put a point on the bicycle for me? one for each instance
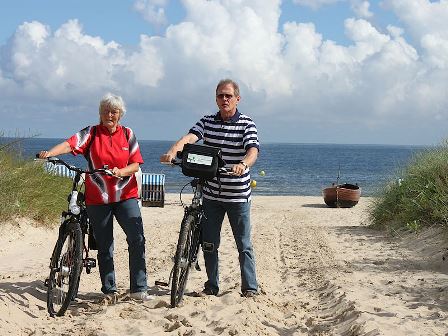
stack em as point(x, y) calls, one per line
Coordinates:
point(71, 252)
point(189, 239)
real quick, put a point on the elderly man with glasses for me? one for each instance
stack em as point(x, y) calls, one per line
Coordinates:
point(236, 134)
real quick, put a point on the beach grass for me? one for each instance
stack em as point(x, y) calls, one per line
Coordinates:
point(419, 198)
point(26, 190)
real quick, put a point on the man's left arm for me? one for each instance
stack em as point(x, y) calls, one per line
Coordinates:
point(247, 162)
point(250, 157)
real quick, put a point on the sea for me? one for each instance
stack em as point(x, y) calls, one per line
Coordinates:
point(282, 168)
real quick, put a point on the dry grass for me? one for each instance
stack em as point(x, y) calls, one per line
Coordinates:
point(26, 190)
point(420, 199)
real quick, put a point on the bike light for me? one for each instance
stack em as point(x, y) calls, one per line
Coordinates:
point(73, 206)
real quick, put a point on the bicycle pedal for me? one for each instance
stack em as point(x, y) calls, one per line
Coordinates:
point(162, 283)
point(90, 263)
point(46, 282)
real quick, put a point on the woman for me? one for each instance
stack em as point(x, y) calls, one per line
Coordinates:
point(112, 144)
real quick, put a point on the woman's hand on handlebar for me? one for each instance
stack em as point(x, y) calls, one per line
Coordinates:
point(110, 172)
point(116, 172)
point(44, 154)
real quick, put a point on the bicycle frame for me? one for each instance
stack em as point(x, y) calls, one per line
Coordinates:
point(77, 212)
point(71, 253)
point(195, 210)
point(189, 241)
point(188, 245)
point(76, 198)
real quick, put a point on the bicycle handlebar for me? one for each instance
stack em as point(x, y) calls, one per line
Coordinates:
point(221, 170)
point(104, 170)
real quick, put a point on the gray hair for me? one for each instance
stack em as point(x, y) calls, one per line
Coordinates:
point(222, 82)
point(110, 100)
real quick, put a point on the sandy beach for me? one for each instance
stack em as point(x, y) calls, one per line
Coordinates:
point(321, 272)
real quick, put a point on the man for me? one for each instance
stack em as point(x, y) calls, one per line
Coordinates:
point(236, 135)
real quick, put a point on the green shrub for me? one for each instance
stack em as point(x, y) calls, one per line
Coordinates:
point(26, 190)
point(420, 199)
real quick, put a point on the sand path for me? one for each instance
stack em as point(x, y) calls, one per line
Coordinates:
point(321, 272)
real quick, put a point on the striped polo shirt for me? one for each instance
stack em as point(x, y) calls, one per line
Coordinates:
point(234, 137)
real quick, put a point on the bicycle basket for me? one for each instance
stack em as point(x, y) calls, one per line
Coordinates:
point(201, 161)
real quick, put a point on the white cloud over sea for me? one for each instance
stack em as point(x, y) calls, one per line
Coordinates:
point(387, 85)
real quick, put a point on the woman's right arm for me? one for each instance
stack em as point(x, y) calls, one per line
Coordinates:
point(62, 148)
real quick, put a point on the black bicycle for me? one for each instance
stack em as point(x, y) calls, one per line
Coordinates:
point(71, 252)
point(190, 239)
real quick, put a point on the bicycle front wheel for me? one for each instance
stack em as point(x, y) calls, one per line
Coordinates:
point(66, 264)
point(182, 261)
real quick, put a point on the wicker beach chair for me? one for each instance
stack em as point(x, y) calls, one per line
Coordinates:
point(58, 170)
point(153, 190)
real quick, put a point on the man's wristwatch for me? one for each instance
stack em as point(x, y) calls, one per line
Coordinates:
point(244, 164)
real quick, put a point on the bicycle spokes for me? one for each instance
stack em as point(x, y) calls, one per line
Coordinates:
point(65, 270)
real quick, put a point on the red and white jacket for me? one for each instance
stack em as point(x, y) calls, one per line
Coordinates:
point(118, 149)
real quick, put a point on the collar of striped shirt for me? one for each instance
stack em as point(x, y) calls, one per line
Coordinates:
point(235, 117)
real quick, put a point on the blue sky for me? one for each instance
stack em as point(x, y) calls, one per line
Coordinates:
point(311, 71)
point(117, 20)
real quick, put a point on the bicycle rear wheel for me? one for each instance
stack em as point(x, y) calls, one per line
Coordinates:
point(66, 265)
point(182, 261)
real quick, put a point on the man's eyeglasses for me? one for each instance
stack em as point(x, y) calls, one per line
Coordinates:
point(223, 95)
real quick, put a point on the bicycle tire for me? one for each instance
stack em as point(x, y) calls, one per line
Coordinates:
point(182, 261)
point(66, 265)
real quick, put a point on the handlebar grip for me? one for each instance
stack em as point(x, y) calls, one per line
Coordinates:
point(172, 162)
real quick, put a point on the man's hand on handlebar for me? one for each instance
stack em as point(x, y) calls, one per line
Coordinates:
point(167, 158)
point(238, 169)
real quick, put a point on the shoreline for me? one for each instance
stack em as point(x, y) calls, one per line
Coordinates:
point(311, 168)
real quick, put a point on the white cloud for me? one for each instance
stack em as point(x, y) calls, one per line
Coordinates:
point(152, 11)
point(427, 22)
point(421, 17)
point(289, 74)
point(436, 49)
point(361, 8)
point(368, 41)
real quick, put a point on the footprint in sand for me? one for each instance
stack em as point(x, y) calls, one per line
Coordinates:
point(177, 321)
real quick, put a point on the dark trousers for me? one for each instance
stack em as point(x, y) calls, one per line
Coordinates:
point(239, 218)
point(129, 218)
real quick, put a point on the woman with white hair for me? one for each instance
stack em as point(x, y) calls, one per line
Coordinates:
point(110, 143)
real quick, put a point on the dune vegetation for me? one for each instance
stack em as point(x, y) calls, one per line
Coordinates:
point(26, 190)
point(419, 198)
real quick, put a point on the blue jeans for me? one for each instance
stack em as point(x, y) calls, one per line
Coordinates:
point(129, 217)
point(239, 218)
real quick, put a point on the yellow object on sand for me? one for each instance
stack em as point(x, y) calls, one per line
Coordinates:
point(253, 184)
